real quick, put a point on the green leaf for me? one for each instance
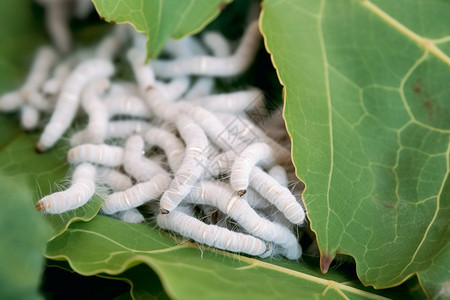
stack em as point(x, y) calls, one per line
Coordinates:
point(366, 91)
point(161, 20)
point(23, 236)
point(106, 245)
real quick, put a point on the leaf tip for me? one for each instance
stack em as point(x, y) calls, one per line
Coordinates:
point(325, 262)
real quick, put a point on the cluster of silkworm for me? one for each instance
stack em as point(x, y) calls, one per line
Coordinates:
point(168, 138)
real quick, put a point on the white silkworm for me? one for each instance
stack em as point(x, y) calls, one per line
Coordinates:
point(283, 155)
point(52, 86)
point(217, 43)
point(212, 235)
point(136, 195)
point(214, 66)
point(29, 117)
point(116, 129)
point(243, 165)
point(237, 208)
point(201, 87)
point(11, 101)
point(143, 73)
point(57, 23)
point(165, 110)
point(174, 89)
point(172, 146)
point(67, 104)
point(43, 61)
point(193, 166)
point(233, 103)
point(81, 190)
point(94, 106)
point(277, 194)
point(111, 44)
point(186, 47)
point(279, 174)
point(135, 164)
point(106, 155)
point(113, 178)
point(131, 215)
point(216, 130)
point(126, 105)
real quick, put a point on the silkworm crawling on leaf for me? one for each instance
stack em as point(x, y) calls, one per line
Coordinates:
point(277, 194)
point(193, 166)
point(137, 195)
point(81, 190)
point(68, 101)
point(214, 66)
point(106, 155)
point(96, 109)
point(237, 208)
point(135, 164)
point(212, 235)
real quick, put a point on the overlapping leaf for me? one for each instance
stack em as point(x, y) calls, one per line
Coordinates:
point(161, 20)
point(366, 85)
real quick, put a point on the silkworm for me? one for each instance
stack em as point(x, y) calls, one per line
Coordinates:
point(67, 104)
point(233, 103)
point(143, 73)
point(116, 129)
point(81, 190)
point(29, 117)
point(216, 130)
point(96, 109)
point(214, 66)
point(243, 165)
point(174, 89)
point(113, 178)
point(111, 43)
point(131, 106)
point(52, 85)
point(283, 155)
point(185, 47)
point(212, 235)
point(167, 111)
point(201, 87)
point(57, 23)
point(237, 208)
point(135, 164)
point(106, 155)
point(136, 195)
point(277, 194)
point(172, 146)
point(131, 215)
point(193, 166)
point(217, 43)
point(45, 59)
point(11, 101)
